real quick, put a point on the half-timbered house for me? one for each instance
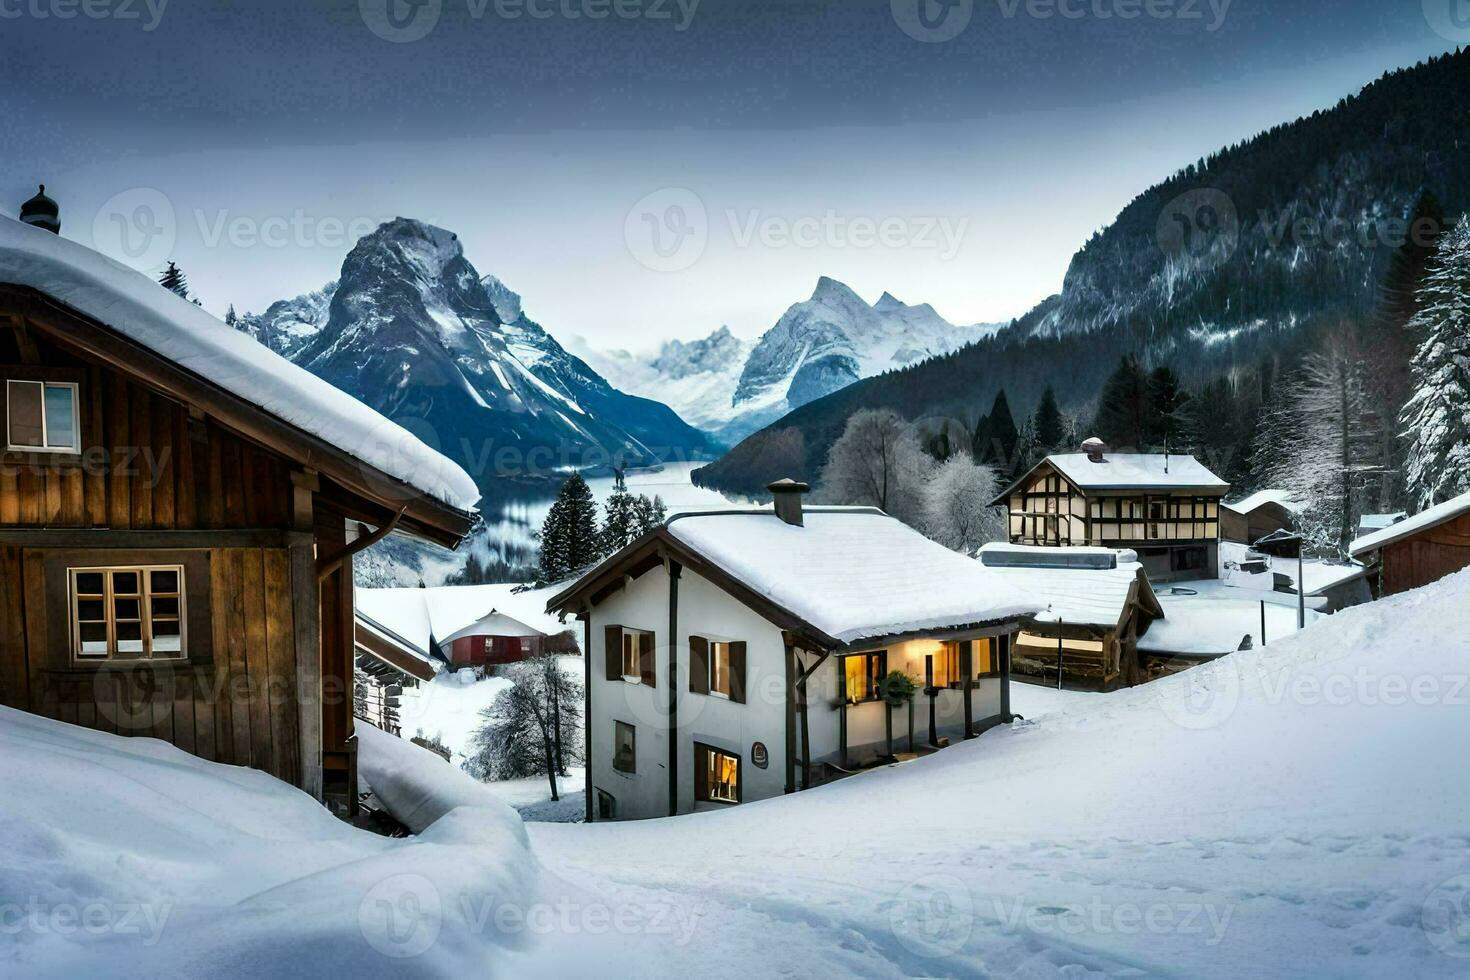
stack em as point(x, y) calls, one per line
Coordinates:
point(738, 655)
point(179, 508)
point(1165, 507)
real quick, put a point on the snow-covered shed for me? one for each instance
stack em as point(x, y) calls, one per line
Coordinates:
point(1249, 520)
point(1417, 550)
point(1098, 603)
point(179, 508)
point(739, 655)
point(1163, 506)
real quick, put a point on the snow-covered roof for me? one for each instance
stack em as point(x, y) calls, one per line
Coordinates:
point(852, 573)
point(1074, 594)
point(451, 611)
point(1137, 471)
point(172, 327)
point(1423, 521)
point(1282, 498)
point(1377, 522)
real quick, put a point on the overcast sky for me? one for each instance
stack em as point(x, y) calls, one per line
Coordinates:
point(670, 165)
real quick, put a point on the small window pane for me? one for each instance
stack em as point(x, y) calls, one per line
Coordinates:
point(25, 413)
point(125, 583)
point(167, 581)
point(127, 608)
point(92, 610)
point(61, 430)
point(94, 639)
point(89, 583)
point(129, 637)
point(166, 607)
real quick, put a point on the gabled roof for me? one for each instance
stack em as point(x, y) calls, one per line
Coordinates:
point(848, 576)
point(387, 646)
point(445, 613)
point(1128, 471)
point(1077, 588)
point(1431, 518)
point(389, 461)
point(495, 624)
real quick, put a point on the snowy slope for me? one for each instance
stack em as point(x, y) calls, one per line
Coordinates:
point(1293, 811)
point(730, 388)
point(129, 858)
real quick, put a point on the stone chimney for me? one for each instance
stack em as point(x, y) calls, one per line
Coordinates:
point(1095, 448)
point(42, 212)
point(788, 494)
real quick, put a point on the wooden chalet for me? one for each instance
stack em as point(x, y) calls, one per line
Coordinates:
point(1164, 507)
point(1098, 604)
point(1417, 550)
point(179, 508)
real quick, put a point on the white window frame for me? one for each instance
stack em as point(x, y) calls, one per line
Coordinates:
point(76, 417)
point(145, 595)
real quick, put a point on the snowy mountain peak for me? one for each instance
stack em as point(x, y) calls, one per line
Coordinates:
point(507, 301)
point(888, 302)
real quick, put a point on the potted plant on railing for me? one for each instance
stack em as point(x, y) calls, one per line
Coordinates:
point(896, 690)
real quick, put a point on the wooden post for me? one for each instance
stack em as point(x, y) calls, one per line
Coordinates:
point(1004, 654)
point(306, 618)
point(842, 716)
point(967, 674)
point(793, 672)
point(933, 695)
point(1059, 663)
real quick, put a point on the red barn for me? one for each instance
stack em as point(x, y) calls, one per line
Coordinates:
point(495, 639)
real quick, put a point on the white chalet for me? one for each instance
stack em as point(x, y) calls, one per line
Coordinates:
point(736, 655)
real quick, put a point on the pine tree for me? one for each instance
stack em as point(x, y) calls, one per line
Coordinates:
point(1051, 429)
point(173, 279)
point(648, 514)
point(1123, 409)
point(1437, 417)
point(570, 542)
point(231, 317)
point(619, 526)
point(1169, 423)
point(996, 437)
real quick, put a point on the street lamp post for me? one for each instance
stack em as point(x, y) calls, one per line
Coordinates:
point(1285, 544)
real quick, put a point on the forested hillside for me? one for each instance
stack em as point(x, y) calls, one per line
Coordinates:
point(1230, 273)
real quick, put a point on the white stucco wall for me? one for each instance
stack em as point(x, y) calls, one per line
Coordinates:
point(704, 610)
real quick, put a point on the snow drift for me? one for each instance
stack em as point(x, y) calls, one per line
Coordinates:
point(128, 857)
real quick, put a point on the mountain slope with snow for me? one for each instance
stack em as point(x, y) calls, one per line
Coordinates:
point(731, 388)
point(414, 331)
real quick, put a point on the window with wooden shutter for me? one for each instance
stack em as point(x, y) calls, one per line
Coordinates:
point(699, 665)
point(737, 671)
point(613, 652)
point(647, 669)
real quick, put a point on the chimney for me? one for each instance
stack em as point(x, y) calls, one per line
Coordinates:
point(1095, 448)
point(42, 212)
point(788, 494)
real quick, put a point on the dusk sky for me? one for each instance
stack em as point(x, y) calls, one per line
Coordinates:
point(664, 171)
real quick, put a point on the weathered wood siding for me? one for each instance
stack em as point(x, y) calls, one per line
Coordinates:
point(145, 464)
point(1427, 556)
point(239, 708)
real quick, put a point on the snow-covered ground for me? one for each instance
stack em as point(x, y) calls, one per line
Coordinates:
point(1297, 810)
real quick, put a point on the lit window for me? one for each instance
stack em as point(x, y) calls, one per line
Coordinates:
point(128, 613)
point(625, 757)
point(863, 672)
point(637, 646)
point(42, 417)
point(947, 665)
point(717, 774)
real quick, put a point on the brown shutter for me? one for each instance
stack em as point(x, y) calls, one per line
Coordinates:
point(698, 665)
point(737, 672)
point(646, 668)
point(701, 774)
point(613, 655)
